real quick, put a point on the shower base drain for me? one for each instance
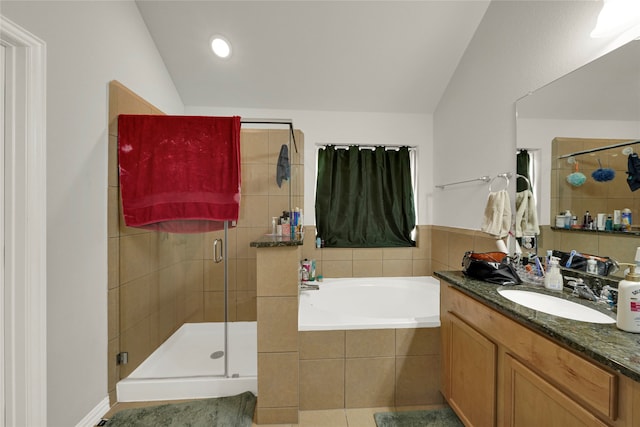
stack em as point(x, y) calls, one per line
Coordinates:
point(217, 354)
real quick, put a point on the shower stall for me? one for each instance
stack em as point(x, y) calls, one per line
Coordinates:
point(182, 307)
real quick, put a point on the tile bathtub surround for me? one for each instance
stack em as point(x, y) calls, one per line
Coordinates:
point(277, 316)
point(366, 368)
point(371, 262)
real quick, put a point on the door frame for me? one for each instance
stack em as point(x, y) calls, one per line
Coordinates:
point(24, 352)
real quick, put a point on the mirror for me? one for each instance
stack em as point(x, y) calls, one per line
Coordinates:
point(595, 106)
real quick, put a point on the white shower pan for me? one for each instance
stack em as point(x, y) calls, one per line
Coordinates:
point(185, 366)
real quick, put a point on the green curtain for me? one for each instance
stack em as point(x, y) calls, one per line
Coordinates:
point(522, 168)
point(364, 197)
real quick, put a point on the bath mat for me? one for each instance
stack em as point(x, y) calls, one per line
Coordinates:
point(219, 412)
point(444, 417)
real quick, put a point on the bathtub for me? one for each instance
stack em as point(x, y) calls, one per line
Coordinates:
point(371, 303)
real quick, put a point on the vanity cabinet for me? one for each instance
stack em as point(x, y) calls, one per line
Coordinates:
point(498, 372)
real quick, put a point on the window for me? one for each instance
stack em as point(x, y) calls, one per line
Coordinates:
point(365, 197)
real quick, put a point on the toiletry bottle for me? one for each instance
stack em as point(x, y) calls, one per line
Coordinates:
point(629, 301)
point(626, 219)
point(592, 266)
point(567, 219)
point(587, 220)
point(553, 278)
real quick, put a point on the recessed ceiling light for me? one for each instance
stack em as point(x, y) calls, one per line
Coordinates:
point(221, 46)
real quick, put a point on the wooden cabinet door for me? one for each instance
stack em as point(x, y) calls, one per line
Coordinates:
point(530, 401)
point(472, 374)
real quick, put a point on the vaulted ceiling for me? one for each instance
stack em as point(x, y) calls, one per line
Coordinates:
point(366, 56)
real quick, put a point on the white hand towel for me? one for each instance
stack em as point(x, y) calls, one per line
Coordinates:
point(497, 214)
point(526, 214)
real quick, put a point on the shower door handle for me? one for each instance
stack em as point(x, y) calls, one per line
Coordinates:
point(217, 251)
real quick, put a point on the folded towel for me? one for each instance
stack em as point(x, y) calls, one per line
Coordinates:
point(283, 170)
point(179, 174)
point(497, 214)
point(526, 214)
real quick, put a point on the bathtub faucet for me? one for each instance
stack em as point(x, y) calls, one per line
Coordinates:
point(308, 286)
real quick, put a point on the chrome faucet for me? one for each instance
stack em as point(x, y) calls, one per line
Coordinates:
point(581, 290)
point(308, 286)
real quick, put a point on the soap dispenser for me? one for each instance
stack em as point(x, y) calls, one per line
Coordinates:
point(629, 301)
point(553, 278)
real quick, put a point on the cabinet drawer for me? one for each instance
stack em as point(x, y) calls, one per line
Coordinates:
point(579, 378)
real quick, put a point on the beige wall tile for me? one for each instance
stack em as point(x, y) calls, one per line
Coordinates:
point(277, 324)
point(364, 390)
point(370, 343)
point(283, 417)
point(136, 341)
point(421, 267)
point(337, 268)
point(113, 212)
point(397, 253)
point(254, 212)
point(278, 380)
point(137, 257)
point(440, 246)
point(254, 146)
point(113, 262)
point(324, 418)
point(369, 254)
point(394, 268)
point(113, 370)
point(135, 301)
point(278, 269)
point(417, 342)
point(337, 254)
point(321, 344)
point(458, 244)
point(423, 243)
point(418, 380)
point(366, 268)
point(113, 306)
point(255, 179)
point(321, 384)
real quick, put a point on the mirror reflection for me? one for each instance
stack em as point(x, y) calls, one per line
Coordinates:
point(576, 131)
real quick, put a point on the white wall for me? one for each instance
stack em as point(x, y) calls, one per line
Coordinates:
point(88, 44)
point(518, 47)
point(323, 127)
point(538, 134)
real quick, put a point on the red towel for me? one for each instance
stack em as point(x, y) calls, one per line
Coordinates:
point(179, 174)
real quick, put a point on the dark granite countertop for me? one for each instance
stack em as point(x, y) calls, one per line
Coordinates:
point(273, 241)
point(604, 343)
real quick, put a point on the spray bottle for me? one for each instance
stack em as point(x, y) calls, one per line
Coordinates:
point(629, 301)
point(553, 278)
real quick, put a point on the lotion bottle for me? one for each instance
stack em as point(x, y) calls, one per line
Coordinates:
point(629, 301)
point(553, 278)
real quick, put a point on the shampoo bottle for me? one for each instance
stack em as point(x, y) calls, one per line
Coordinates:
point(553, 278)
point(629, 301)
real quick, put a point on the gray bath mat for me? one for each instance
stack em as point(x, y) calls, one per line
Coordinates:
point(444, 417)
point(221, 412)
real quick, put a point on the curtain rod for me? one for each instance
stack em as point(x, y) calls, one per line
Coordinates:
point(273, 122)
point(367, 147)
point(594, 150)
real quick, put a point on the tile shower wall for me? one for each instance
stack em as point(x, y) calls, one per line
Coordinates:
point(158, 281)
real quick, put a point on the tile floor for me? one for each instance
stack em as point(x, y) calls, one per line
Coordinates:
point(354, 417)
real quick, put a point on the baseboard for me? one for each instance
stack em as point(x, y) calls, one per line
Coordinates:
point(93, 417)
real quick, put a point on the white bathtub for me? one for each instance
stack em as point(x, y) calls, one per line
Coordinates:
point(371, 303)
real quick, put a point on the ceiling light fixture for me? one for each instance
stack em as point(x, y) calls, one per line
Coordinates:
point(220, 46)
point(616, 17)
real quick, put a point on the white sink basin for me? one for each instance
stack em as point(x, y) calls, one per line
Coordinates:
point(555, 306)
